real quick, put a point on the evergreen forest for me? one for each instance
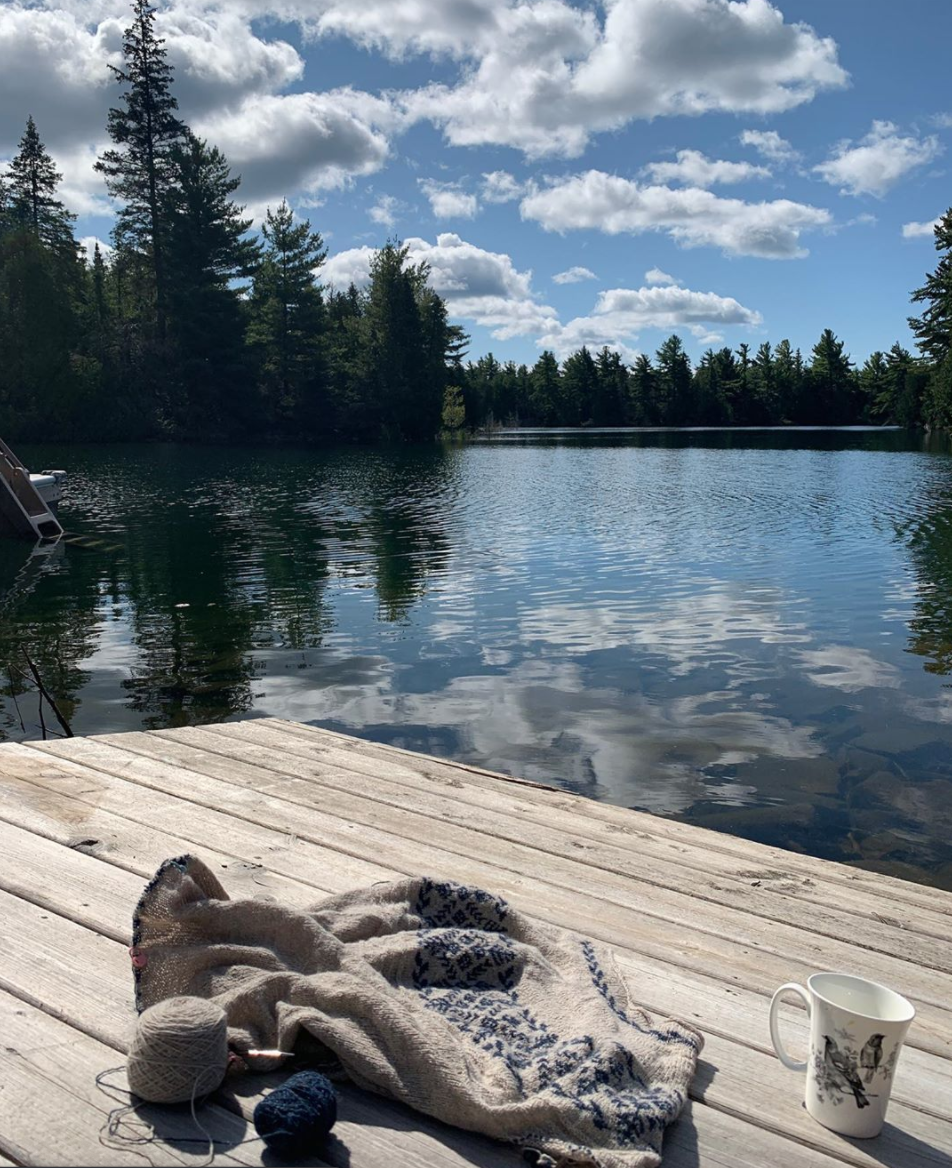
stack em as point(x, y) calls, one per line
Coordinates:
point(193, 327)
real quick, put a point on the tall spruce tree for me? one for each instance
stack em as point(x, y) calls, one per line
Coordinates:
point(675, 389)
point(33, 180)
point(933, 329)
point(208, 254)
point(140, 169)
point(287, 316)
point(830, 383)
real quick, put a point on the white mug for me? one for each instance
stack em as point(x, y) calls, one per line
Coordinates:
point(856, 1032)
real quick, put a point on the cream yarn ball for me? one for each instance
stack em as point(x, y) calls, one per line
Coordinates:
point(179, 1051)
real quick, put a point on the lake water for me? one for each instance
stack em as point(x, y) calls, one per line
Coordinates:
point(751, 631)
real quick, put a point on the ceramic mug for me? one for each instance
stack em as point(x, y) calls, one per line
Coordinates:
point(857, 1029)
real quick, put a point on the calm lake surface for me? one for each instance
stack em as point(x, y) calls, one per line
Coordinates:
point(748, 630)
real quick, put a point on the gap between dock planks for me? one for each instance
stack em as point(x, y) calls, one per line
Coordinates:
point(93, 883)
point(90, 785)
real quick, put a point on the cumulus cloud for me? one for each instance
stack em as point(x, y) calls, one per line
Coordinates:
point(56, 64)
point(877, 162)
point(692, 217)
point(499, 186)
point(770, 145)
point(918, 230)
point(299, 141)
point(449, 200)
point(551, 74)
point(89, 243)
point(384, 211)
point(656, 276)
point(478, 285)
point(573, 276)
point(694, 169)
point(487, 289)
point(540, 75)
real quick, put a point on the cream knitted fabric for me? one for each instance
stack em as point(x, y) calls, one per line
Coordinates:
point(436, 994)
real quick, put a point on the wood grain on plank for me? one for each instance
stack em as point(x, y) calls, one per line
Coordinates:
point(801, 881)
point(53, 1109)
point(402, 838)
point(733, 1079)
point(759, 855)
point(311, 863)
point(835, 918)
point(923, 1080)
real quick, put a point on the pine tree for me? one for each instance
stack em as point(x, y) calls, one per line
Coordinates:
point(611, 389)
point(33, 180)
point(140, 169)
point(873, 381)
point(675, 402)
point(765, 398)
point(644, 407)
point(287, 316)
point(830, 382)
point(208, 253)
point(578, 389)
point(544, 390)
point(933, 329)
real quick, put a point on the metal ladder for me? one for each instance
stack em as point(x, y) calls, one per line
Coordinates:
point(20, 503)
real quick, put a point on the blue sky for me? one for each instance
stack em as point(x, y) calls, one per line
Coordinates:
point(600, 173)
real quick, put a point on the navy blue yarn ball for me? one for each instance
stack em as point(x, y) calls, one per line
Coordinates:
point(296, 1116)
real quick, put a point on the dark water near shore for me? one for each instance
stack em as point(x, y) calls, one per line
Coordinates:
point(748, 630)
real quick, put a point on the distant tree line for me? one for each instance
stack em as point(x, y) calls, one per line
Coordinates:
point(769, 386)
point(193, 328)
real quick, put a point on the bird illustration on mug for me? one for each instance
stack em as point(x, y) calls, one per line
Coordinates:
point(871, 1056)
point(844, 1068)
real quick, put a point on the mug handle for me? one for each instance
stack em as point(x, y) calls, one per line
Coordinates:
point(792, 988)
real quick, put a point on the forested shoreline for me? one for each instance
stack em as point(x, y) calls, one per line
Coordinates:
point(194, 328)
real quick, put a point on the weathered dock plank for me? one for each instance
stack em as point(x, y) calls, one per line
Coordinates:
point(704, 925)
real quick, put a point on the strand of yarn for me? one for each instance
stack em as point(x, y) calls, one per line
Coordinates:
point(179, 1051)
point(113, 1133)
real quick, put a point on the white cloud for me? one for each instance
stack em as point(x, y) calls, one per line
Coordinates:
point(485, 288)
point(692, 217)
point(56, 64)
point(696, 170)
point(300, 141)
point(89, 242)
point(573, 276)
point(918, 230)
point(878, 161)
point(540, 75)
point(384, 211)
point(656, 276)
point(478, 285)
point(770, 145)
point(448, 200)
point(499, 186)
point(348, 267)
point(551, 75)
point(943, 121)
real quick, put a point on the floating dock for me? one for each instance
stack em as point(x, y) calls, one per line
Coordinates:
point(705, 926)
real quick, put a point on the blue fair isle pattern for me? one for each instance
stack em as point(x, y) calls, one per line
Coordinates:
point(601, 984)
point(448, 904)
point(466, 969)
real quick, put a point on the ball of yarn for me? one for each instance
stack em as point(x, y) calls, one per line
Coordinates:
point(179, 1050)
point(297, 1116)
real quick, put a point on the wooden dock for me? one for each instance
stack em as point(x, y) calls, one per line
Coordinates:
point(705, 925)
